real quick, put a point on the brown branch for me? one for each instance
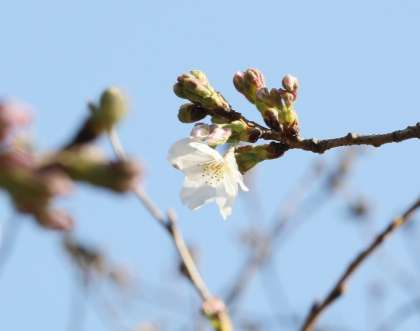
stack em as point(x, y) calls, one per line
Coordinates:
point(319, 307)
point(213, 308)
point(320, 146)
point(376, 140)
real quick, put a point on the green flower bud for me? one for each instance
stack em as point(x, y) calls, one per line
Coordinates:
point(267, 108)
point(249, 82)
point(249, 156)
point(112, 107)
point(241, 131)
point(201, 76)
point(283, 101)
point(86, 166)
point(196, 88)
point(190, 113)
point(102, 118)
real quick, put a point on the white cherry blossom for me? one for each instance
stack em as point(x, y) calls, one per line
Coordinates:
point(209, 176)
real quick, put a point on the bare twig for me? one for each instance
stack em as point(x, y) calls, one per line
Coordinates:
point(338, 289)
point(169, 223)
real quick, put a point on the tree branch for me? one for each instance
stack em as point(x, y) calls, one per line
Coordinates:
point(319, 307)
point(376, 140)
point(320, 146)
point(214, 309)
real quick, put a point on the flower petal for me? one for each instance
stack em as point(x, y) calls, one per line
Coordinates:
point(183, 155)
point(232, 166)
point(206, 150)
point(225, 205)
point(195, 196)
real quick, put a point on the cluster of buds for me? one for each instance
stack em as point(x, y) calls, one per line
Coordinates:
point(32, 189)
point(205, 100)
point(276, 105)
point(196, 88)
point(248, 83)
point(33, 181)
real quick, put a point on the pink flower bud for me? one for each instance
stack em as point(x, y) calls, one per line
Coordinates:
point(12, 116)
point(200, 131)
point(55, 219)
point(291, 84)
point(57, 182)
point(218, 135)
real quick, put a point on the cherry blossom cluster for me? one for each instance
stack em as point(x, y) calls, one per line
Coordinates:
point(211, 177)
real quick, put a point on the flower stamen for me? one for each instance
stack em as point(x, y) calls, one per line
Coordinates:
point(213, 173)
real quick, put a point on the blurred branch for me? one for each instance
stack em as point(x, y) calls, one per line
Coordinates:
point(264, 241)
point(212, 307)
point(319, 307)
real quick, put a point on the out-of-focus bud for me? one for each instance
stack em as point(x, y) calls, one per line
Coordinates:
point(112, 108)
point(249, 82)
point(190, 113)
point(291, 84)
point(249, 156)
point(103, 117)
point(33, 190)
point(83, 165)
point(195, 87)
point(215, 310)
point(54, 219)
point(56, 182)
point(267, 109)
point(13, 115)
point(16, 158)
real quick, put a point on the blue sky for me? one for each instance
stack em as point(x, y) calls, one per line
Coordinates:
point(357, 62)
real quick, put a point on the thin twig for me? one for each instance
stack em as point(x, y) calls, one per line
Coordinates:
point(169, 223)
point(338, 289)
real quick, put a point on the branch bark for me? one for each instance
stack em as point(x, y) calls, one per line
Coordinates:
point(339, 288)
point(321, 145)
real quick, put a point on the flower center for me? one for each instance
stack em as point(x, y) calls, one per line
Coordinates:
point(213, 173)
